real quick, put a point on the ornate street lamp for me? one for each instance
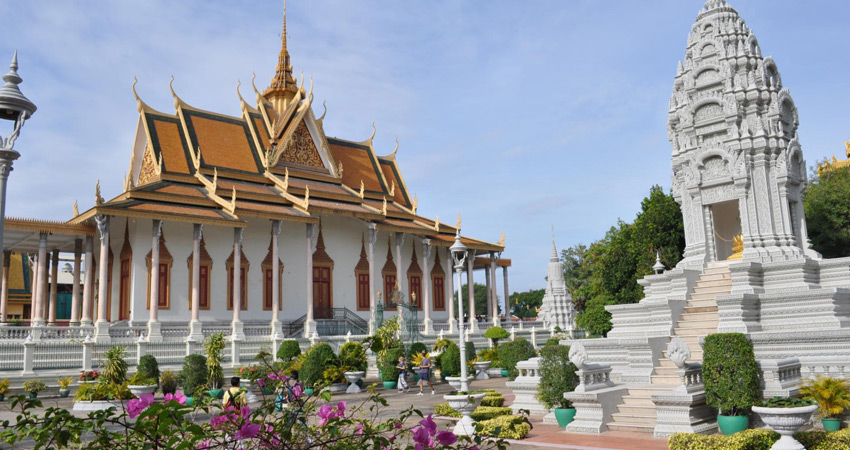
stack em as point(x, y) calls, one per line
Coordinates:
point(16, 107)
point(459, 256)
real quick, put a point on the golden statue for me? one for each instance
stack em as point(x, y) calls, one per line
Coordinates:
point(737, 248)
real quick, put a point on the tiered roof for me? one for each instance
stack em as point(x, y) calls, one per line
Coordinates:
point(272, 162)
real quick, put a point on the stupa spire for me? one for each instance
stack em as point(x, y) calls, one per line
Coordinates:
point(282, 87)
point(554, 257)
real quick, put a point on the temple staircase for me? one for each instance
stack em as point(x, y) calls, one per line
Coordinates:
point(637, 412)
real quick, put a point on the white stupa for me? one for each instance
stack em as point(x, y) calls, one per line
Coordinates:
point(557, 309)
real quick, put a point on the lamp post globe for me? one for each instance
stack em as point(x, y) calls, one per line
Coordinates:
point(459, 256)
point(15, 107)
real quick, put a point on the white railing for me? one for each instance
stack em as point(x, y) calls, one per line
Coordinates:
point(14, 332)
point(57, 355)
point(258, 330)
point(167, 352)
point(128, 332)
point(212, 329)
point(174, 331)
point(248, 349)
point(11, 356)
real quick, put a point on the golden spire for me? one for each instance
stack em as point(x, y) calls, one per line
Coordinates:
point(282, 87)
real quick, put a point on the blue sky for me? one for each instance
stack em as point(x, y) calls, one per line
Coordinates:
point(519, 115)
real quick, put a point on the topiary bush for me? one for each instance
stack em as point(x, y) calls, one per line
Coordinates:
point(821, 440)
point(352, 357)
point(168, 382)
point(730, 373)
point(510, 353)
point(489, 354)
point(194, 375)
point(450, 361)
point(443, 409)
point(552, 341)
point(470, 350)
point(756, 439)
point(318, 359)
point(496, 333)
point(148, 367)
point(288, 349)
point(492, 398)
point(416, 348)
point(505, 427)
point(557, 376)
point(489, 412)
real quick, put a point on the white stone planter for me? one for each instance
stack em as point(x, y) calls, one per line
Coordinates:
point(786, 421)
point(337, 387)
point(353, 378)
point(86, 382)
point(141, 389)
point(481, 370)
point(97, 405)
point(464, 404)
point(454, 382)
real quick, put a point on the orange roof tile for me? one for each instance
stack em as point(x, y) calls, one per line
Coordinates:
point(391, 174)
point(358, 164)
point(224, 142)
point(168, 141)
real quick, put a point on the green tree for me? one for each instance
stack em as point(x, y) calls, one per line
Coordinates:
point(480, 299)
point(828, 212)
point(524, 304)
point(576, 274)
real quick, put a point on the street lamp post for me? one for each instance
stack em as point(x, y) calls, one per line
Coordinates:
point(16, 107)
point(459, 256)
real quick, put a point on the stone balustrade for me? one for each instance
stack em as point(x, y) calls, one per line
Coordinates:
point(780, 378)
point(683, 409)
point(525, 387)
point(596, 397)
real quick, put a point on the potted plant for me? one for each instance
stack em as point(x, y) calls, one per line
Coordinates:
point(464, 403)
point(139, 384)
point(785, 416)
point(557, 377)
point(88, 376)
point(496, 333)
point(63, 386)
point(213, 347)
point(114, 365)
point(193, 376)
point(510, 353)
point(168, 382)
point(352, 358)
point(450, 364)
point(289, 349)
point(33, 387)
point(832, 396)
point(730, 374)
point(149, 367)
point(101, 396)
point(4, 388)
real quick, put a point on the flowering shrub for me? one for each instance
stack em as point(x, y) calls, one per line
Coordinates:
point(309, 422)
point(89, 375)
point(506, 427)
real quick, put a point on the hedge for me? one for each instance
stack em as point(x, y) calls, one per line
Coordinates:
point(730, 373)
point(510, 353)
point(450, 361)
point(760, 439)
point(148, 367)
point(318, 359)
point(194, 374)
point(443, 409)
point(505, 427)
point(489, 412)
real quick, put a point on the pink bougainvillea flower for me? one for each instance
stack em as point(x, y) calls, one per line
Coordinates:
point(358, 428)
point(177, 396)
point(245, 411)
point(446, 438)
point(223, 420)
point(421, 436)
point(297, 392)
point(340, 409)
point(137, 405)
point(429, 425)
point(248, 431)
point(325, 413)
point(261, 382)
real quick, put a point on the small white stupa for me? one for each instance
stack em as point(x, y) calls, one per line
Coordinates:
point(557, 309)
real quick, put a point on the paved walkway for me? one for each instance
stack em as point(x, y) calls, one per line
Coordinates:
point(541, 437)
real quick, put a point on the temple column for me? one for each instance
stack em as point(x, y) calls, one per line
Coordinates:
point(507, 295)
point(470, 288)
point(494, 293)
point(154, 327)
point(196, 328)
point(370, 253)
point(88, 283)
point(276, 327)
point(488, 288)
point(309, 323)
point(101, 332)
point(33, 286)
point(237, 325)
point(426, 287)
point(41, 281)
point(4, 293)
point(75, 289)
point(451, 292)
point(54, 286)
point(399, 274)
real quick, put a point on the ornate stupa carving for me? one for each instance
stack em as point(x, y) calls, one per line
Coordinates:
point(733, 130)
point(557, 309)
point(282, 88)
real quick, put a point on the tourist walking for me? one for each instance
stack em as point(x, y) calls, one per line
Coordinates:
point(402, 375)
point(425, 374)
point(233, 397)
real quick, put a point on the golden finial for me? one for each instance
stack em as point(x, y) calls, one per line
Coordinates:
point(437, 224)
point(285, 179)
point(415, 203)
point(339, 169)
point(98, 200)
point(215, 180)
point(501, 242)
point(458, 221)
point(384, 206)
point(737, 248)
point(233, 201)
point(395, 150)
point(76, 209)
point(306, 197)
point(362, 189)
point(325, 106)
point(392, 189)
point(374, 131)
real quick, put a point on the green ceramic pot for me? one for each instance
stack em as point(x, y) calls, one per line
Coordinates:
point(831, 424)
point(190, 401)
point(416, 377)
point(442, 376)
point(2, 397)
point(359, 383)
point(390, 384)
point(308, 391)
point(732, 424)
point(565, 416)
point(506, 373)
point(216, 393)
point(33, 394)
point(64, 393)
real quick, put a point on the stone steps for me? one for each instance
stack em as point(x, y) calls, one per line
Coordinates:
point(696, 322)
point(694, 331)
point(637, 413)
point(700, 309)
point(690, 317)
